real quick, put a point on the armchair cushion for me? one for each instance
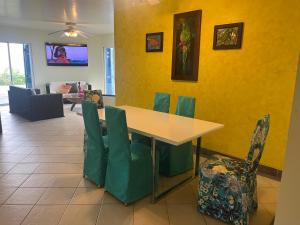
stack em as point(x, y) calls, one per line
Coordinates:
point(227, 190)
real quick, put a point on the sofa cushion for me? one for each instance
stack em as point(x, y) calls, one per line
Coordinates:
point(74, 88)
point(64, 89)
point(54, 86)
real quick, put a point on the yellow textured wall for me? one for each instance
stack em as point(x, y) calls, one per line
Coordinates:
point(235, 87)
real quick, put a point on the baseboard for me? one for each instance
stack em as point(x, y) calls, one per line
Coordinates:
point(262, 170)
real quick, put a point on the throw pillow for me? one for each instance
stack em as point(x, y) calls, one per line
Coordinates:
point(74, 88)
point(65, 89)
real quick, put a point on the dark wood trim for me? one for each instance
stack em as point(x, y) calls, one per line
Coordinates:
point(262, 169)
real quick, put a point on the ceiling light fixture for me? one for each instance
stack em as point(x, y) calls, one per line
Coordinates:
point(71, 33)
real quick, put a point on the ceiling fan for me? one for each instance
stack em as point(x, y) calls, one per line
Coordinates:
point(72, 31)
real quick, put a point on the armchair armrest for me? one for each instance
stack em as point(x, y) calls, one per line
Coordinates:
point(46, 106)
point(89, 86)
point(37, 91)
point(47, 88)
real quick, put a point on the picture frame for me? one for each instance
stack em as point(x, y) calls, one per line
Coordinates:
point(155, 42)
point(186, 46)
point(228, 36)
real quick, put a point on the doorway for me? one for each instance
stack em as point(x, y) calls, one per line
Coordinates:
point(15, 68)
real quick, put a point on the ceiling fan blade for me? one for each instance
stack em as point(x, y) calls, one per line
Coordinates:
point(82, 34)
point(56, 32)
point(86, 33)
point(62, 35)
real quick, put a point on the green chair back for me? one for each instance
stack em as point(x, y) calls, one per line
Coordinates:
point(161, 102)
point(95, 160)
point(186, 106)
point(91, 122)
point(129, 169)
point(119, 154)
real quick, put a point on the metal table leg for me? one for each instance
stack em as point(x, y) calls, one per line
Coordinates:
point(154, 178)
point(198, 150)
point(72, 106)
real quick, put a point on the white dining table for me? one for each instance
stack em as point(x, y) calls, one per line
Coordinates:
point(165, 127)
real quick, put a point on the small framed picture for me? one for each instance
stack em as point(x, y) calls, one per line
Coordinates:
point(154, 42)
point(228, 36)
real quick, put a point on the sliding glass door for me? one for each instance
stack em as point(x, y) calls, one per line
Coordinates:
point(15, 67)
point(109, 71)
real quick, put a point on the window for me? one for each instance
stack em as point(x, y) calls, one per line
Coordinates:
point(109, 71)
point(15, 67)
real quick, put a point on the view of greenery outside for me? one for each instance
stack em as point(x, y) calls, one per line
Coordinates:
point(17, 78)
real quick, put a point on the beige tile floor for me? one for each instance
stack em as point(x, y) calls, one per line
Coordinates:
point(41, 183)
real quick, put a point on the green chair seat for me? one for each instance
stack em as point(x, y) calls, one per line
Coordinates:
point(174, 160)
point(96, 150)
point(129, 169)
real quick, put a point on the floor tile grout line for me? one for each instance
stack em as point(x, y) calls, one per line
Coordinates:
point(9, 195)
point(101, 206)
point(31, 208)
point(168, 213)
point(68, 203)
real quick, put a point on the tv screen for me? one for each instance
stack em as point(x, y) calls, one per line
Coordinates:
point(66, 54)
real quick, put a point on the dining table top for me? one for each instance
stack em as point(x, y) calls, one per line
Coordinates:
point(170, 128)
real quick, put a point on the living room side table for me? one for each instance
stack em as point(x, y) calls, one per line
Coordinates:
point(74, 99)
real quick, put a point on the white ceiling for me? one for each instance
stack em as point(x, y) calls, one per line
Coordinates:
point(94, 16)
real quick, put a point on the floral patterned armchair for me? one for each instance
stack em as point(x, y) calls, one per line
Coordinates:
point(227, 188)
point(94, 96)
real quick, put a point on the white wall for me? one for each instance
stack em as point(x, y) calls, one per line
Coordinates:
point(93, 73)
point(288, 208)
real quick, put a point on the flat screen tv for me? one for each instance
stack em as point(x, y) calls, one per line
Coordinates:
point(66, 54)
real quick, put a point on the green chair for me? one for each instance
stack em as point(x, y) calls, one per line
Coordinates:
point(161, 104)
point(96, 97)
point(96, 151)
point(129, 169)
point(175, 160)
